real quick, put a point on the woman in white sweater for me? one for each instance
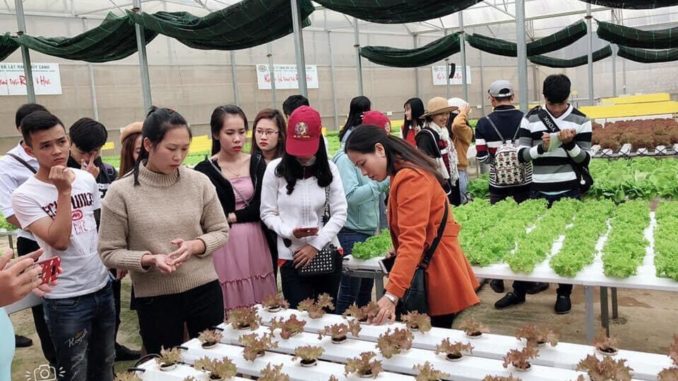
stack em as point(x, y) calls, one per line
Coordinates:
point(294, 192)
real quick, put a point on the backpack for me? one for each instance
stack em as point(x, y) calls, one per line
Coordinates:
point(509, 171)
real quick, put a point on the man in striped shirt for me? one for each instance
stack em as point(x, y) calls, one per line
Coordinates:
point(553, 174)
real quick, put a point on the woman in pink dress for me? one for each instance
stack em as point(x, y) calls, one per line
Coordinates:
point(244, 263)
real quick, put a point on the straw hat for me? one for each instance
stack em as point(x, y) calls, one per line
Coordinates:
point(132, 128)
point(438, 105)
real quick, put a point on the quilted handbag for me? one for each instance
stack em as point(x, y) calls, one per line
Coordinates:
point(329, 257)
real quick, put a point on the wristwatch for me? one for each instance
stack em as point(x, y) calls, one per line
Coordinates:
point(392, 298)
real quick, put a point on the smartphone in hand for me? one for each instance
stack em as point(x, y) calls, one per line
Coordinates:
point(50, 269)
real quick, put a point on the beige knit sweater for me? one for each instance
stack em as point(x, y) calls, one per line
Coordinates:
point(136, 220)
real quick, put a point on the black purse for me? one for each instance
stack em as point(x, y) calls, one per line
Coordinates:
point(580, 169)
point(415, 298)
point(328, 258)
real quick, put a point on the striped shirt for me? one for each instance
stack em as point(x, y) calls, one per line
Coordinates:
point(553, 172)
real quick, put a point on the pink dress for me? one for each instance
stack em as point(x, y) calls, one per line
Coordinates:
point(244, 263)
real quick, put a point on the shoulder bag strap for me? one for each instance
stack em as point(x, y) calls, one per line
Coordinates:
point(496, 129)
point(22, 161)
point(434, 245)
point(326, 214)
point(553, 127)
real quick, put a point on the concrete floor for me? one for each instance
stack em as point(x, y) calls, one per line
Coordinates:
point(647, 319)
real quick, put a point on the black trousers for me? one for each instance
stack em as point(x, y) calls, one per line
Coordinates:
point(297, 288)
point(25, 246)
point(162, 318)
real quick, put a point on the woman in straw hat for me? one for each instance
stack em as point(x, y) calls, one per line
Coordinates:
point(435, 141)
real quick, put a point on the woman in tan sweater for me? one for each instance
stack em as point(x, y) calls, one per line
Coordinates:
point(161, 223)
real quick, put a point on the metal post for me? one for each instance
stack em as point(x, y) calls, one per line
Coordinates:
point(588, 296)
point(234, 74)
point(462, 45)
point(615, 305)
point(299, 48)
point(522, 53)
point(92, 85)
point(358, 62)
point(614, 71)
point(604, 311)
point(333, 81)
point(143, 62)
point(482, 85)
point(271, 70)
point(447, 68)
point(25, 55)
point(590, 52)
point(416, 69)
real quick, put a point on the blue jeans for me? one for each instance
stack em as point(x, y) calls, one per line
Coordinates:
point(82, 329)
point(352, 289)
point(463, 185)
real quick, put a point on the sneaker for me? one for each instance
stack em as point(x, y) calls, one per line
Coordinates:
point(497, 285)
point(563, 304)
point(508, 300)
point(122, 353)
point(537, 287)
point(22, 341)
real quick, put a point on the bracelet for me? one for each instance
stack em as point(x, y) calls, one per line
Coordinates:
point(392, 298)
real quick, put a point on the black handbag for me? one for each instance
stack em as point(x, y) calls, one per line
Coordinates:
point(328, 258)
point(415, 298)
point(580, 169)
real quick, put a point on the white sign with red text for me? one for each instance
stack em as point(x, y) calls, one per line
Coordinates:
point(46, 79)
point(286, 77)
point(440, 74)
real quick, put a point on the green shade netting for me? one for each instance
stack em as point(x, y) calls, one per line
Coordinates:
point(543, 45)
point(425, 55)
point(242, 25)
point(114, 39)
point(8, 45)
point(636, 38)
point(397, 11)
point(648, 56)
point(574, 62)
point(633, 4)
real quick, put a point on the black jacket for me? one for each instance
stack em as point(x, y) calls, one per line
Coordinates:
point(225, 192)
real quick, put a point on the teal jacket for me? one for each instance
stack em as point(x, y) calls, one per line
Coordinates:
point(362, 196)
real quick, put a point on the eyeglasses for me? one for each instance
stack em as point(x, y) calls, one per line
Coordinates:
point(266, 132)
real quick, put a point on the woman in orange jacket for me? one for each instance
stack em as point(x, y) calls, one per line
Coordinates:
point(416, 206)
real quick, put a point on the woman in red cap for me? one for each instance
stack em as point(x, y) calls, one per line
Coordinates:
point(295, 192)
point(416, 207)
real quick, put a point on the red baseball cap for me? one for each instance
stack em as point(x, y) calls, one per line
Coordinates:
point(303, 132)
point(377, 118)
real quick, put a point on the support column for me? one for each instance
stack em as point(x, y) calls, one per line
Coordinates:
point(234, 79)
point(271, 70)
point(416, 69)
point(590, 52)
point(299, 48)
point(482, 85)
point(92, 85)
point(462, 45)
point(522, 54)
point(333, 81)
point(25, 54)
point(358, 61)
point(143, 61)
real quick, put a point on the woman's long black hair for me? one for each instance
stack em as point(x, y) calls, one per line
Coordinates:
point(290, 169)
point(417, 107)
point(364, 138)
point(359, 105)
point(157, 123)
point(217, 123)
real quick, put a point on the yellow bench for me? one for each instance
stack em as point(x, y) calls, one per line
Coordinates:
point(629, 110)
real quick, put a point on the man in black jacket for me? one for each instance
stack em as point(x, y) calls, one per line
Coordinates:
point(87, 138)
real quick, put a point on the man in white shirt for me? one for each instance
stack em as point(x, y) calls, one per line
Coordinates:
point(57, 206)
point(15, 168)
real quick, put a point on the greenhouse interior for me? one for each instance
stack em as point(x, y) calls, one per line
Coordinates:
point(578, 207)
